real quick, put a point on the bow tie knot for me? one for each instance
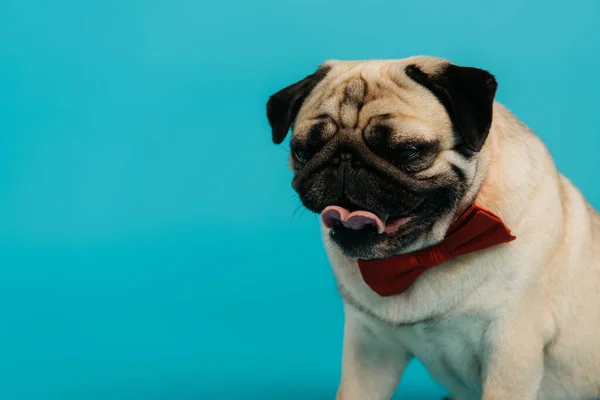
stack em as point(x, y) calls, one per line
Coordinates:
point(435, 256)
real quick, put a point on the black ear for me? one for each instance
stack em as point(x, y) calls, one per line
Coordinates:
point(467, 94)
point(283, 106)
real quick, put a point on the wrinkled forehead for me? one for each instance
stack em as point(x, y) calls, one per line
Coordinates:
point(354, 93)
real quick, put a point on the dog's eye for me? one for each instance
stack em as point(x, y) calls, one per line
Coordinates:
point(408, 152)
point(302, 156)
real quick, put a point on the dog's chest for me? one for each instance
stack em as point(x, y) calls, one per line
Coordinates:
point(452, 350)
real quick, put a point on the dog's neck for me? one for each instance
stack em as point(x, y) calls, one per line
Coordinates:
point(509, 169)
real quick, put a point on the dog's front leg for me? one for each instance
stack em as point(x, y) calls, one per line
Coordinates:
point(371, 365)
point(515, 362)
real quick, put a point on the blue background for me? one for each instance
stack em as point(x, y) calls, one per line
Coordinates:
point(149, 247)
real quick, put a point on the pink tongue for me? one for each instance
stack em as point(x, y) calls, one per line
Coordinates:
point(356, 220)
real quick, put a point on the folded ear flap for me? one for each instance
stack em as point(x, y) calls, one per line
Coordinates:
point(283, 106)
point(467, 94)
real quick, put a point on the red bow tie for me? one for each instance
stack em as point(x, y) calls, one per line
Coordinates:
point(476, 229)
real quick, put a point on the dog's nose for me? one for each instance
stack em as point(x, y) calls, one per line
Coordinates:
point(347, 158)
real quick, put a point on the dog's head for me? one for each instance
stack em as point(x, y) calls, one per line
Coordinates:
point(384, 150)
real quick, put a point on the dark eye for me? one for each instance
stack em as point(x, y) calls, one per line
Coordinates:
point(408, 152)
point(302, 156)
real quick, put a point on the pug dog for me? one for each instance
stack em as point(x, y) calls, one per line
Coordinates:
point(405, 158)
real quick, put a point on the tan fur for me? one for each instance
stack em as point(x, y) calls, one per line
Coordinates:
point(516, 322)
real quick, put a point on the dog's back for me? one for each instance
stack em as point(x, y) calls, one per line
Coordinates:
point(573, 354)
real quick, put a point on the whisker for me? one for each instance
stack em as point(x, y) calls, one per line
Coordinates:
point(283, 148)
point(304, 209)
point(300, 206)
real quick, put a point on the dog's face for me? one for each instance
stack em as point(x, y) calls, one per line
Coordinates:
point(384, 150)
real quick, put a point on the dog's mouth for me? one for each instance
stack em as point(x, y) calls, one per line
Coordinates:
point(369, 234)
point(336, 217)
